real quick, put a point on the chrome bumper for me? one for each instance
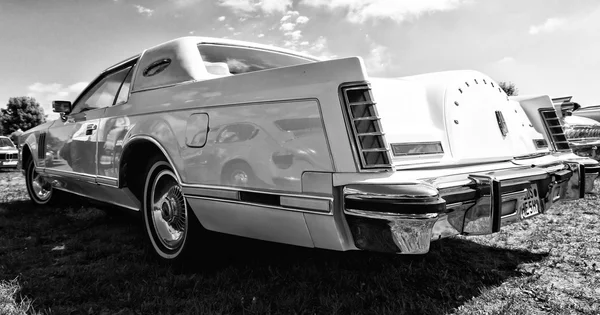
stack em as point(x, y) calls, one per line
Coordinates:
point(405, 218)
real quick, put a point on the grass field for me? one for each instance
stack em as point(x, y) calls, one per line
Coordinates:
point(88, 259)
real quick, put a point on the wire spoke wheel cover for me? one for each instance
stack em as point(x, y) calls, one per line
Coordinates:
point(165, 214)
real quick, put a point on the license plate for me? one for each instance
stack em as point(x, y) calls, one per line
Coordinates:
point(531, 203)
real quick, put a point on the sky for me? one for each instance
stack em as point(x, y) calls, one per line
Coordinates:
point(51, 49)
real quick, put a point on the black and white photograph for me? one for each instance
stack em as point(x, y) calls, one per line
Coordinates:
point(299, 157)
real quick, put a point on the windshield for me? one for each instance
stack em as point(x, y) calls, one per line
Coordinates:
point(5, 142)
point(243, 59)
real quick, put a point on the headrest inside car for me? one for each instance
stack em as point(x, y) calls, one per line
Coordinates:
point(217, 68)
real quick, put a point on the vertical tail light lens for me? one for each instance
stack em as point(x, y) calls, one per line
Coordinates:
point(365, 126)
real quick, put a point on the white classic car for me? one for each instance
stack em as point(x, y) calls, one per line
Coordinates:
point(555, 132)
point(270, 144)
point(582, 126)
point(9, 154)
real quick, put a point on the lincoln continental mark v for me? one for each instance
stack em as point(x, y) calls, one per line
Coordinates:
point(265, 143)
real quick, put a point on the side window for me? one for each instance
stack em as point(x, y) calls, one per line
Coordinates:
point(103, 93)
point(124, 91)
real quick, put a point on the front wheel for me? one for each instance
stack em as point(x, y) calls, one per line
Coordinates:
point(166, 217)
point(39, 189)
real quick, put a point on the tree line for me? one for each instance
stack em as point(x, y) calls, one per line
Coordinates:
point(20, 114)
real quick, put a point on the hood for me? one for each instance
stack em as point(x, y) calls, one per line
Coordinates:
point(454, 117)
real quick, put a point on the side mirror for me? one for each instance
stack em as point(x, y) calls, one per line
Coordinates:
point(63, 107)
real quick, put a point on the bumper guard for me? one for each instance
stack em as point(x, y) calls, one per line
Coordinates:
point(405, 218)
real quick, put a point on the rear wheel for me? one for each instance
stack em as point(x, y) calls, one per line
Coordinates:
point(166, 217)
point(39, 189)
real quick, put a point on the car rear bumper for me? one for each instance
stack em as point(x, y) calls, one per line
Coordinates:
point(8, 164)
point(405, 218)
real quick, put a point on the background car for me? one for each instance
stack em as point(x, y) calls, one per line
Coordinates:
point(9, 155)
point(581, 125)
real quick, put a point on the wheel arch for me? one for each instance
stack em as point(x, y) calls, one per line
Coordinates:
point(25, 154)
point(139, 148)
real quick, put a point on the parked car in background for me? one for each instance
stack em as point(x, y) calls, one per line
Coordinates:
point(266, 143)
point(581, 129)
point(9, 154)
point(551, 136)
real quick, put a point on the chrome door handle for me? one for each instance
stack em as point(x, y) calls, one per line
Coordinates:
point(90, 129)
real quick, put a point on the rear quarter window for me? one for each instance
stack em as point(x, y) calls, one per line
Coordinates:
point(244, 59)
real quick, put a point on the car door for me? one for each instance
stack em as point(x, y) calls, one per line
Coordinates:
point(73, 139)
point(113, 128)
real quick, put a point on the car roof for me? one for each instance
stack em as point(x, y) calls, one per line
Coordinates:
point(220, 41)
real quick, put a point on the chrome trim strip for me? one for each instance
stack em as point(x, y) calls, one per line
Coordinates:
point(307, 203)
point(78, 176)
point(258, 205)
point(107, 181)
point(390, 216)
point(161, 86)
point(90, 197)
point(311, 203)
point(211, 192)
point(241, 189)
point(122, 63)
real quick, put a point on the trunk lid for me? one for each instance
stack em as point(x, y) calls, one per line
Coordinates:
point(464, 111)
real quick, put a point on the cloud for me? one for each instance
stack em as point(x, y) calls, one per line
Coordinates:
point(551, 25)
point(45, 93)
point(378, 59)
point(292, 35)
point(143, 10)
point(318, 48)
point(302, 19)
point(295, 35)
point(184, 3)
point(270, 6)
point(221, 18)
point(247, 6)
point(398, 10)
point(261, 35)
point(286, 27)
point(319, 45)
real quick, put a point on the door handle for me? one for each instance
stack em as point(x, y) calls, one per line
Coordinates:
point(90, 129)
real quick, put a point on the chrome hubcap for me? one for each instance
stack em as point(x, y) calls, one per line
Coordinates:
point(169, 212)
point(239, 178)
point(41, 188)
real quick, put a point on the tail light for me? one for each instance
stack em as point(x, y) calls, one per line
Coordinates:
point(365, 126)
point(579, 132)
point(554, 129)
